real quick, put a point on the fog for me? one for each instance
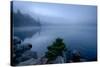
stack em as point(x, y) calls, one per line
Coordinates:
point(58, 14)
point(76, 24)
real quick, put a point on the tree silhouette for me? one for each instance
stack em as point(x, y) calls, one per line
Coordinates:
point(55, 49)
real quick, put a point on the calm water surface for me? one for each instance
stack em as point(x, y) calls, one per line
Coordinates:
point(81, 38)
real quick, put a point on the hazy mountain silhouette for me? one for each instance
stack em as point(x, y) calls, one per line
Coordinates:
point(21, 20)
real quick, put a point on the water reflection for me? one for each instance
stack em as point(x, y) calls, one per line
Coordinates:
point(82, 38)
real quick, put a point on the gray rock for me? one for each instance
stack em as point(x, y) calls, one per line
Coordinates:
point(27, 55)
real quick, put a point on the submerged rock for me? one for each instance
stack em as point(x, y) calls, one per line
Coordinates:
point(76, 57)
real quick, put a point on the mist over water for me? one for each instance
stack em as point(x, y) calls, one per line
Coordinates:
point(75, 24)
point(81, 38)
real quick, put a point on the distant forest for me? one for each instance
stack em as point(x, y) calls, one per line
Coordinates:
point(20, 20)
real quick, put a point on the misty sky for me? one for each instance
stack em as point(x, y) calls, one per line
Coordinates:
point(58, 13)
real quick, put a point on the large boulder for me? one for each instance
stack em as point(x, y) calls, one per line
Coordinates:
point(21, 52)
point(16, 40)
point(27, 56)
point(59, 59)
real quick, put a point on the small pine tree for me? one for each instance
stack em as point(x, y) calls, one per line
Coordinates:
point(55, 49)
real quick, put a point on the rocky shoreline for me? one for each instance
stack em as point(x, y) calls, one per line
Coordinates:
point(23, 55)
